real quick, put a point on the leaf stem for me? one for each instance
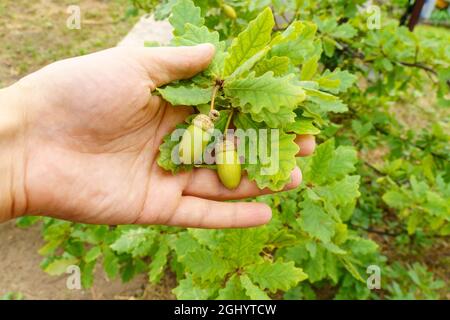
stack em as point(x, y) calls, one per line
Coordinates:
point(229, 120)
point(213, 97)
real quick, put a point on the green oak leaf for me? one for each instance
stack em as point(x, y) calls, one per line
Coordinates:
point(344, 31)
point(315, 221)
point(330, 164)
point(93, 254)
point(360, 246)
point(60, 265)
point(186, 95)
point(316, 171)
point(208, 238)
point(323, 106)
point(275, 173)
point(243, 246)
point(331, 27)
point(187, 289)
point(292, 32)
point(244, 121)
point(275, 276)
point(315, 267)
point(195, 35)
point(248, 64)
point(87, 274)
point(348, 264)
point(184, 244)
point(111, 263)
point(269, 92)
point(302, 126)
point(163, 9)
point(301, 46)
point(275, 120)
point(309, 68)
point(159, 261)
point(396, 199)
point(233, 290)
point(136, 242)
point(252, 290)
point(340, 192)
point(336, 81)
point(183, 12)
point(333, 248)
point(343, 162)
point(278, 65)
point(253, 39)
point(206, 265)
point(331, 264)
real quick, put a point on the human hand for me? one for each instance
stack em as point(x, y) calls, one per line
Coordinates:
point(91, 133)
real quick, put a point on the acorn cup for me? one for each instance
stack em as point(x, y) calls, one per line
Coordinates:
point(195, 139)
point(228, 164)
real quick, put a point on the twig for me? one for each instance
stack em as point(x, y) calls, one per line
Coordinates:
point(213, 97)
point(358, 54)
point(229, 120)
point(381, 232)
point(418, 65)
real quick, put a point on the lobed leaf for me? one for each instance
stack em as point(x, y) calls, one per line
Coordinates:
point(206, 265)
point(159, 261)
point(252, 290)
point(276, 275)
point(186, 95)
point(183, 12)
point(253, 94)
point(233, 290)
point(302, 126)
point(278, 65)
point(254, 38)
point(315, 221)
point(275, 172)
point(187, 289)
point(136, 242)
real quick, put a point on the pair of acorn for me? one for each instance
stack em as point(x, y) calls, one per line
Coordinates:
point(193, 144)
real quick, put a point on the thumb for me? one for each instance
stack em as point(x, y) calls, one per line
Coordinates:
point(167, 64)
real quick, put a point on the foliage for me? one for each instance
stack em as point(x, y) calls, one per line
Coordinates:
point(12, 296)
point(380, 174)
point(440, 16)
point(421, 283)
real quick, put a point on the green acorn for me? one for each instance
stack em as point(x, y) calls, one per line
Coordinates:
point(195, 139)
point(229, 11)
point(228, 164)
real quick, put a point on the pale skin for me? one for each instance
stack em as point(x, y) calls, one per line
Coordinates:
point(79, 141)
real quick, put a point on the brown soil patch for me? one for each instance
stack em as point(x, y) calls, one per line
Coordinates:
point(20, 273)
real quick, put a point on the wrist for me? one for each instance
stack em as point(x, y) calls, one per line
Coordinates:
point(12, 155)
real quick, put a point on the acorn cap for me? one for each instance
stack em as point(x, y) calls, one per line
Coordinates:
point(214, 115)
point(203, 122)
point(225, 145)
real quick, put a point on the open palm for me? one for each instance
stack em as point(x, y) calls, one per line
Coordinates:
point(92, 136)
